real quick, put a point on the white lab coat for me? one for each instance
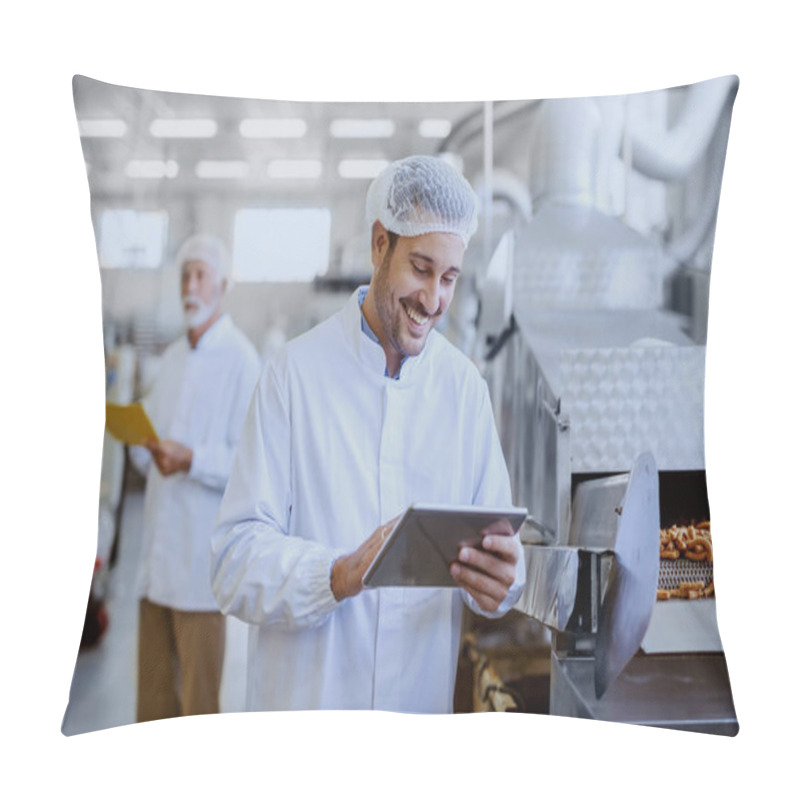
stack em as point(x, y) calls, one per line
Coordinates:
point(331, 449)
point(199, 398)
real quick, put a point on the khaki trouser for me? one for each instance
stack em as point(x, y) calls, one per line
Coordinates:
point(180, 662)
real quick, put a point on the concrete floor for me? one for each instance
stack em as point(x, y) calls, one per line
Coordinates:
point(103, 691)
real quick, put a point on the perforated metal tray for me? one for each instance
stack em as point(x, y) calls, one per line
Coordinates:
point(673, 572)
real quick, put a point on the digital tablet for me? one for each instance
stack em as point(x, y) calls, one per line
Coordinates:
point(426, 539)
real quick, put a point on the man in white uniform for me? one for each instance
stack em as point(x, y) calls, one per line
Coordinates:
point(197, 404)
point(351, 422)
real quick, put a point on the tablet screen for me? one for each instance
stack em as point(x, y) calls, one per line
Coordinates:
point(426, 540)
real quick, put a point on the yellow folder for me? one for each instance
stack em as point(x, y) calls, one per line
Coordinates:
point(129, 423)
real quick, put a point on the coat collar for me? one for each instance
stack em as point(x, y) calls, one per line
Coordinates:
point(214, 336)
point(370, 353)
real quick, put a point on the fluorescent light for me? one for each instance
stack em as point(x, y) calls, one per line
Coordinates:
point(102, 128)
point(151, 169)
point(362, 128)
point(294, 168)
point(273, 128)
point(183, 128)
point(361, 167)
point(221, 169)
point(434, 128)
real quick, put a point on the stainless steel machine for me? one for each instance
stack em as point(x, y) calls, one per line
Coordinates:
point(600, 413)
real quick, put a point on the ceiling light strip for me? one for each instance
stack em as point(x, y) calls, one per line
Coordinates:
point(294, 168)
point(235, 170)
point(362, 128)
point(434, 128)
point(183, 128)
point(151, 169)
point(361, 167)
point(273, 128)
point(102, 128)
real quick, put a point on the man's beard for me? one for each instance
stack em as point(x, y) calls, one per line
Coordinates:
point(392, 314)
point(200, 314)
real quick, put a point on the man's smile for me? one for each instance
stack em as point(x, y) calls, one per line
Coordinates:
point(420, 319)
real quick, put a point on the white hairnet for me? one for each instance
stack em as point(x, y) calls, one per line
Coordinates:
point(423, 194)
point(207, 248)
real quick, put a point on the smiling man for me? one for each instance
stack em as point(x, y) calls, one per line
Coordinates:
point(353, 421)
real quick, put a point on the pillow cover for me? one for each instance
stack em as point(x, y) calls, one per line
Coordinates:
point(583, 301)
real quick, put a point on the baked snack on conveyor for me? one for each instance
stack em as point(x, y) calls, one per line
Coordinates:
point(687, 541)
point(693, 544)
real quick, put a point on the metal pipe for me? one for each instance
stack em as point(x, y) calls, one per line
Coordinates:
point(685, 246)
point(672, 155)
point(471, 126)
point(488, 159)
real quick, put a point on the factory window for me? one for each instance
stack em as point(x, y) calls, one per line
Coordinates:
point(130, 239)
point(281, 244)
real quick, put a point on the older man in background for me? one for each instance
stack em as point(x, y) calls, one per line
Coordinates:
point(197, 404)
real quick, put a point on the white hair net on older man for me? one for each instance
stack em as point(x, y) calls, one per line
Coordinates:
point(207, 248)
point(423, 194)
